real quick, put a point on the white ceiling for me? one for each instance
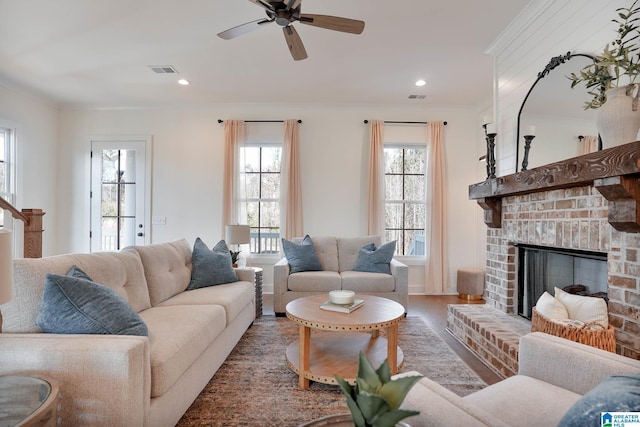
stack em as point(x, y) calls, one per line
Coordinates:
point(96, 53)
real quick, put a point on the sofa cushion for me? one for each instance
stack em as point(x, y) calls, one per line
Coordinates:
point(120, 271)
point(327, 250)
point(375, 260)
point(364, 282)
point(167, 268)
point(511, 399)
point(74, 305)
point(178, 336)
point(301, 256)
point(617, 393)
point(233, 297)
point(349, 248)
point(584, 309)
point(211, 267)
point(314, 281)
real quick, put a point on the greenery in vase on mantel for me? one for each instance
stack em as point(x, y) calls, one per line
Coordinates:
point(619, 63)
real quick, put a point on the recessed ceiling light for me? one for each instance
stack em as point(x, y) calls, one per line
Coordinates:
point(421, 83)
point(183, 82)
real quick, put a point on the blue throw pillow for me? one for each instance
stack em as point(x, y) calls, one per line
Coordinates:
point(73, 304)
point(617, 393)
point(211, 267)
point(375, 260)
point(301, 257)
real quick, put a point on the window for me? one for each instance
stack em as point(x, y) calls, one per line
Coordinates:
point(262, 186)
point(6, 168)
point(405, 208)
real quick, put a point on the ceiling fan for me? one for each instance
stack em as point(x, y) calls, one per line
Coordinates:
point(285, 13)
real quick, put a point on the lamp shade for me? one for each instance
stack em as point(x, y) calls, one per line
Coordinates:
point(6, 266)
point(237, 234)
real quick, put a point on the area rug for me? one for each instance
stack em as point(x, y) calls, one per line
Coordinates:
point(255, 387)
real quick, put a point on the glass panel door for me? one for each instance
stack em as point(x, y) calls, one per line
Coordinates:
point(117, 195)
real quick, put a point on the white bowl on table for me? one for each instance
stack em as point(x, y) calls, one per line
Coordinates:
point(341, 297)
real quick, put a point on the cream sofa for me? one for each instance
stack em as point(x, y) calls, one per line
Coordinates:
point(338, 256)
point(553, 374)
point(118, 380)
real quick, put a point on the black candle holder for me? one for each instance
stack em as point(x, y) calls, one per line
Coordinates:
point(490, 158)
point(527, 145)
point(491, 155)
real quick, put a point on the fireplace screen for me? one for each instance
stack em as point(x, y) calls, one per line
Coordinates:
point(542, 269)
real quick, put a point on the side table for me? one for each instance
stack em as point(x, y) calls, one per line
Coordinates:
point(28, 401)
point(258, 271)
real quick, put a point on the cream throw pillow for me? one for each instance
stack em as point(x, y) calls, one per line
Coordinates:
point(551, 308)
point(584, 309)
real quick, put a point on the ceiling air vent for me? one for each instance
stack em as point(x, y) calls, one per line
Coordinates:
point(163, 69)
point(417, 96)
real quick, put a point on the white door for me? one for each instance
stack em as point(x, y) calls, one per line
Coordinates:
point(119, 194)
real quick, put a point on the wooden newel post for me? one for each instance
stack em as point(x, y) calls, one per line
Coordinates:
point(32, 219)
point(33, 233)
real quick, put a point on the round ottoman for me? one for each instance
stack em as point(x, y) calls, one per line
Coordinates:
point(470, 283)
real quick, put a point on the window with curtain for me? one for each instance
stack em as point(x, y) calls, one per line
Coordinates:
point(405, 207)
point(6, 168)
point(262, 188)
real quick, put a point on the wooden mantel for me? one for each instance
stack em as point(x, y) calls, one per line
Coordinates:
point(614, 172)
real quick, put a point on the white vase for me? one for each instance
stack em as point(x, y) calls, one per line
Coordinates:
point(618, 120)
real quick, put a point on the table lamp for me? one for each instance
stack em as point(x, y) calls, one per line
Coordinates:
point(6, 268)
point(237, 235)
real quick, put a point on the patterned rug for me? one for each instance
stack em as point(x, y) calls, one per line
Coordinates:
point(255, 387)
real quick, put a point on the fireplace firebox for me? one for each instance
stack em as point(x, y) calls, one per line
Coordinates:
point(542, 268)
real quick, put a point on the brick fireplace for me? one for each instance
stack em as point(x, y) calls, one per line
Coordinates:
point(589, 203)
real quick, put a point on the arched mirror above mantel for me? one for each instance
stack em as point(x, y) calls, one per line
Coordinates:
point(557, 113)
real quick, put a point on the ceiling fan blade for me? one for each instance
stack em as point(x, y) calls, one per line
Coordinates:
point(263, 3)
point(295, 43)
point(335, 23)
point(243, 29)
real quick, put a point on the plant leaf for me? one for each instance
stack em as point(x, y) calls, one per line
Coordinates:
point(395, 391)
point(372, 406)
point(392, 418)
point(366, 372)
point(384, 372)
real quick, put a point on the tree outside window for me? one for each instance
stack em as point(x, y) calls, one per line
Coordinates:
point(405, 208)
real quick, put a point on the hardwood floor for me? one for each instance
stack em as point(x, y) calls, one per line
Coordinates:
point(433, 310)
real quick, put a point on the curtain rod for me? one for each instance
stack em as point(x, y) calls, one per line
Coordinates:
point(403, 123)
point(261, 121)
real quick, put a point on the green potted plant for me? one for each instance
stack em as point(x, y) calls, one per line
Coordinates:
point(612, 80)
point(375, 398)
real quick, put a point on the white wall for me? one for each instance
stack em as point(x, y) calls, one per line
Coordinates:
point(187, 170)
point(36, 124)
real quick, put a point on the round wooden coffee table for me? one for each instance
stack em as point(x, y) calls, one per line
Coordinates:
point(325, 354)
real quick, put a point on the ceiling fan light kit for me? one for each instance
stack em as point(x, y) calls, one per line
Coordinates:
point(285, 13)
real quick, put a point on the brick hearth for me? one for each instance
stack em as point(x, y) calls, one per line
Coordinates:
point(491, 334)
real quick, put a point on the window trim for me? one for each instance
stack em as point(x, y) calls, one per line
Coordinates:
point(246, 200)
point(11, 167)
point(412, 259)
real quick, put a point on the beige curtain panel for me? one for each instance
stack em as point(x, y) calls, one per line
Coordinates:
point(234, 136)
point(437, 263)
point(290, 183)
point(375, 223)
